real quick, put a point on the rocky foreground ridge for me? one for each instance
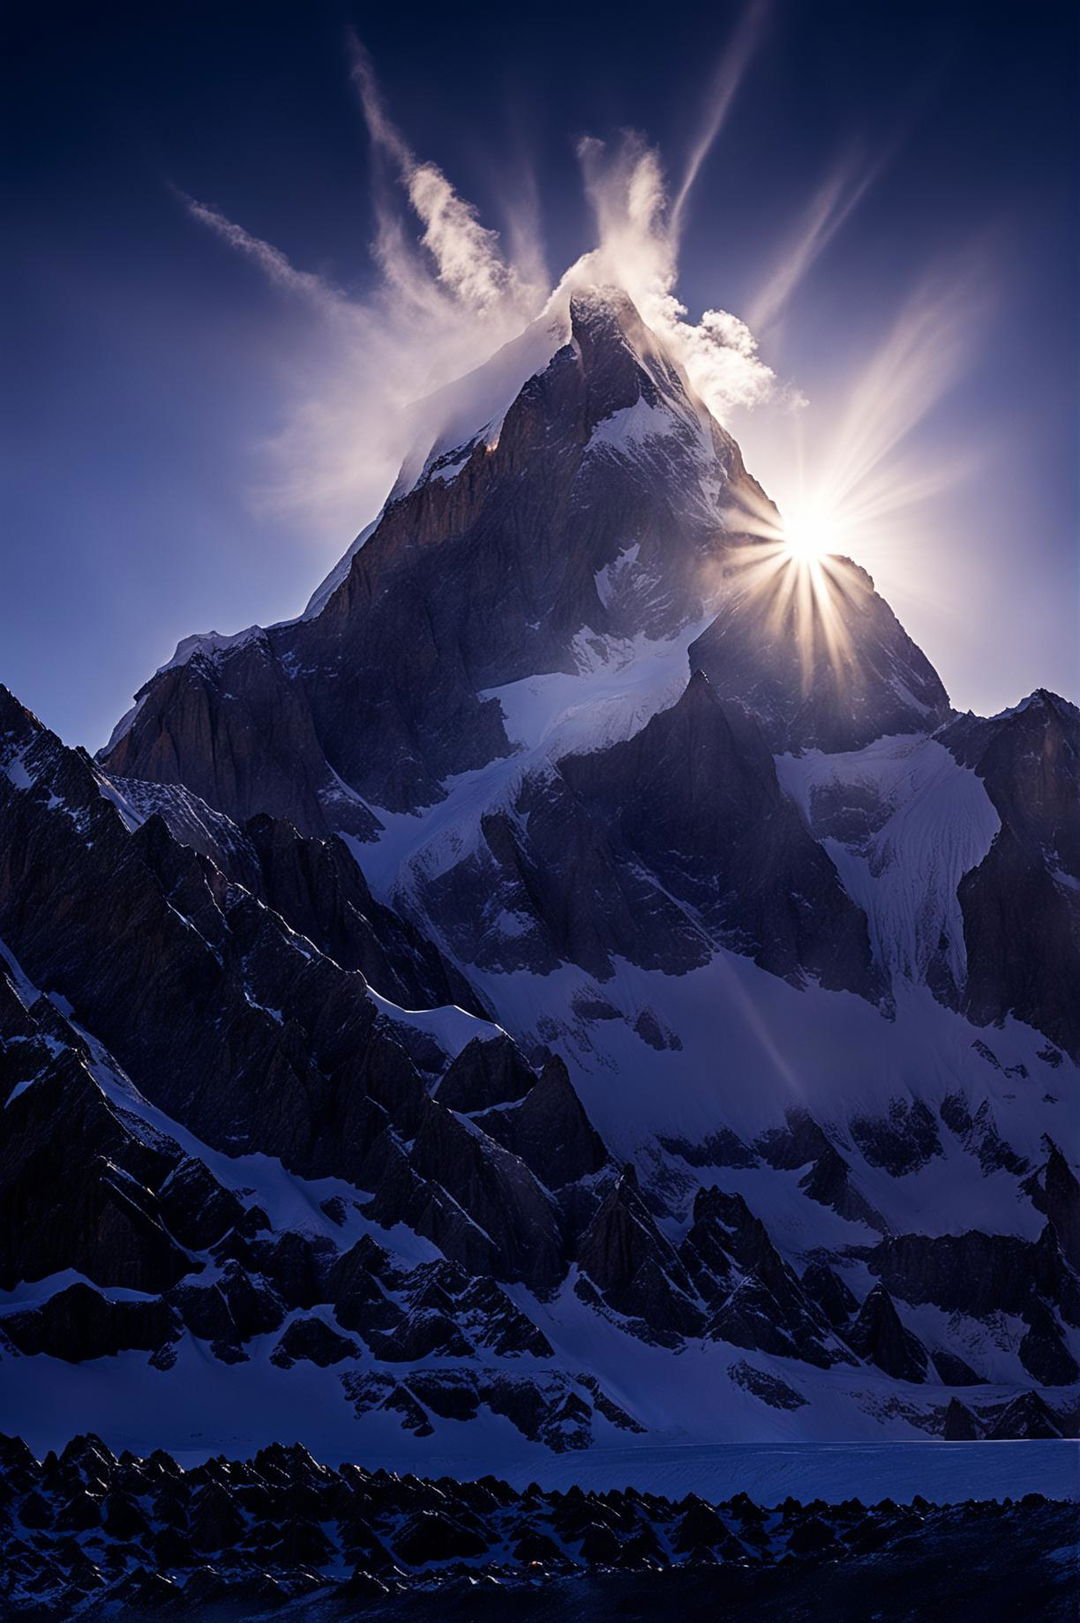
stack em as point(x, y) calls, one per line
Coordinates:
point(91, 1535)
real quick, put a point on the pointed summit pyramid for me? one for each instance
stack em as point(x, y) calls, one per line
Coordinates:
point(595, 511)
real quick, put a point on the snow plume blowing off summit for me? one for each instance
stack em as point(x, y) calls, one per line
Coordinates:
point(450, 292)
point(398, 368)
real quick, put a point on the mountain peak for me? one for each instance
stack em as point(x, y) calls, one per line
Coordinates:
point(624, 361)
point(604, 310)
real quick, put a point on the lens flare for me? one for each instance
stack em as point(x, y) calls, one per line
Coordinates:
point(809, 531)
point(789, 568)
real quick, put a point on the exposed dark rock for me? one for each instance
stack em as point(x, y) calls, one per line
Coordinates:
point(1020, 915)
point(274, 1530)
point(694, 795)
point(296, 1265)
point(549, 866)
point(84, 1198)
point(1055, 1190)
point(639, 1273)
point(312, 1339)
point(978, 1132)
point(201, 927)
point(1027, 1416)
point(205, 1312)
point(423, 1333)
point(488, 1071)
point(879, 1336)
point(233, 728)
point(79, 1324)
point(901, 1142)
point(194, 1207)
point(216, 1523)
point(769, 1388)
point(497, 1191)
point(829, 1181)
point(433, 1536)
point(825, 1287)
point(977, 1273)
point(953, 1370)
point(959, 1425)
point(811, 1536)
point(253, 1306)
point(721, 1149)
point(1043, 1352)
point(754, 1297)
point(549, 1130)
point(318, 888)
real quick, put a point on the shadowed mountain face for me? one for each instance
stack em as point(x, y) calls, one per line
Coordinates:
point(829, 670)
point(564, 951)
point(1022, 903)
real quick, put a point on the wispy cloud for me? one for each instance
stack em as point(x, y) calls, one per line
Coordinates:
point(828, 210)
point(451, 291)
point(637, 248)
point(727, 81)
point(447, 296)
point(466, 256)
point(320, 294)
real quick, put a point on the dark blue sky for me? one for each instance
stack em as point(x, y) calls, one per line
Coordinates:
point(146, 366)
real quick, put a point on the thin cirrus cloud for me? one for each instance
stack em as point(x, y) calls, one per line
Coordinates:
point(830, 207)
point(734, 65)
point(445, 298)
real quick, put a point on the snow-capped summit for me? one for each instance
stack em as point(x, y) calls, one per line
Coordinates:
point(596, 504)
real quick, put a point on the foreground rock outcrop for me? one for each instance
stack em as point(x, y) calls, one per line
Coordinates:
point(87, 1534)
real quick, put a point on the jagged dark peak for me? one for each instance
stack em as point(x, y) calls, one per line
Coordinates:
point(488, 1071)
point(1043, 724)
point(497, 1190)
point(1027, 1416)
point(635, 1268)
point(231, 725)
point(828, 1291)
point(959, 1424)
point(1044, 705)
point(1019, 904)
point(604, 313)
point(319, 889)
point(43, 771)
point(879, 1335)
point(550, 1130)
point(157, 950)
point(282, 1532)
point(1055, 1190)
point(622, 358)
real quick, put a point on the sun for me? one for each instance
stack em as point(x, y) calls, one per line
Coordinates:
point(808, 532)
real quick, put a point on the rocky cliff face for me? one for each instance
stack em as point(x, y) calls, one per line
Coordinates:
point(552, 957)
point(1021, 905)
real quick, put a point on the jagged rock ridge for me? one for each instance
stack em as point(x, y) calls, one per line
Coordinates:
point(90, 1534)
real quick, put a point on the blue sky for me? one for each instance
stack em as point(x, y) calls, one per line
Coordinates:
point(161, 392)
